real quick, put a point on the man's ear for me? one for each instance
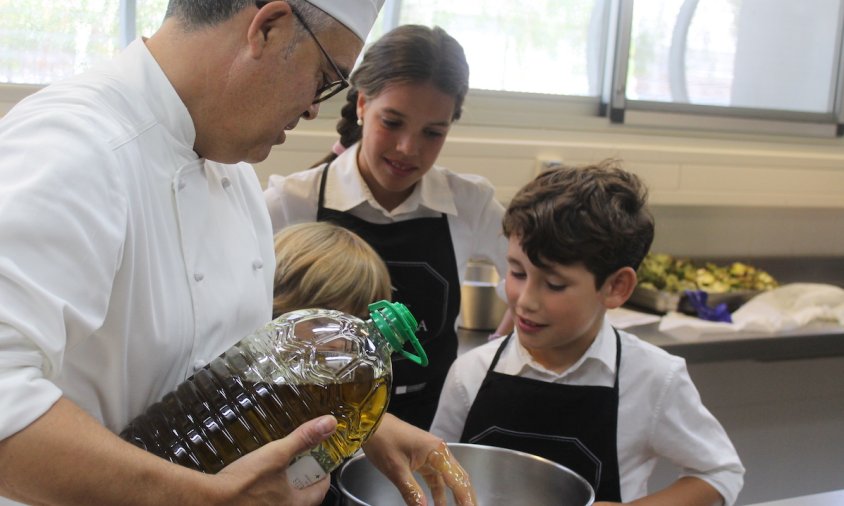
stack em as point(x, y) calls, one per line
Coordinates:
point(272, 16)
point(618, 287)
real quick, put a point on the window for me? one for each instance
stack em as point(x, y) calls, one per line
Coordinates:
point(772, 65)
point(735, 53)
point(552, 47)
point(762, 65)
point(44, 40)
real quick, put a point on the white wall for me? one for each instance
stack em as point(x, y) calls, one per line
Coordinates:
point(714, 194)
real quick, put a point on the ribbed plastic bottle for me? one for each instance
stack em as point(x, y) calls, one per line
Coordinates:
point(301, 365)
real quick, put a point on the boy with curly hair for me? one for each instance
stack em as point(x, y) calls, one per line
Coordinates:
point(566, 385)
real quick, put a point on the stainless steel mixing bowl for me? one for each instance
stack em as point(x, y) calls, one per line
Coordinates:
point(501, 477)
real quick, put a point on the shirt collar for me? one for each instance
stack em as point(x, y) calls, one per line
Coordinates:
point(348, 189)
point(149, 80)
point(435, 192)
point(602, 350)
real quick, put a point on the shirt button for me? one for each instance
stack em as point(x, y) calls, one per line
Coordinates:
point(181, 185)
point(257, 264)
point(226, 183)
point(198, 364)
point(198, 276)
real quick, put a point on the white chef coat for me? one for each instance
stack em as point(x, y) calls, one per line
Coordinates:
point(468, 200)
point(126, 262)
point(660, 413)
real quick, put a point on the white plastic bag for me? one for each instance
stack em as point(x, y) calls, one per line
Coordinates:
point(782, 309)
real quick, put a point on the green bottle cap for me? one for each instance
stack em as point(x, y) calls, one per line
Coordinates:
point(398, 326)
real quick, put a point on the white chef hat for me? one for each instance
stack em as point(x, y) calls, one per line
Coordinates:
point(357, 15)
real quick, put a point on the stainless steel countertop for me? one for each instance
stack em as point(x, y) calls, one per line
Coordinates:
point(833, 498)
point(820, 339)
point(812, 341)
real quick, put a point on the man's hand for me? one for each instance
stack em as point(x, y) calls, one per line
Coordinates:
point(398, 449)
point(260, 477)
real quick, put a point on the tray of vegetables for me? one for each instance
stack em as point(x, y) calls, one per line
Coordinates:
point(664, 279)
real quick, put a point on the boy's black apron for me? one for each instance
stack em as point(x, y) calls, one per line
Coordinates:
point(573, 425)
point(420, 257)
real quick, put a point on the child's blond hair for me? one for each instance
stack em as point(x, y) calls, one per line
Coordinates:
point(322, 265)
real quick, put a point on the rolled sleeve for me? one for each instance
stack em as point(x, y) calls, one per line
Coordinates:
point(689, 436)
point(58, 255)
point(24, 392)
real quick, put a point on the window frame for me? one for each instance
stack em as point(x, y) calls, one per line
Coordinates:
point(533, 110)
point(622, 110)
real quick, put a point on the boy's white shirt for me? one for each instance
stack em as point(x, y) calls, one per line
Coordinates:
point(660, 412)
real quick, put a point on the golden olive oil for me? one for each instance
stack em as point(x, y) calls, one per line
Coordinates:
point(302, 365)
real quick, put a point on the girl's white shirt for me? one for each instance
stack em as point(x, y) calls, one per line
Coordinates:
point(468, 200)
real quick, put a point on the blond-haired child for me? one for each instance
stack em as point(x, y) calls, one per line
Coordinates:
point(323, 265)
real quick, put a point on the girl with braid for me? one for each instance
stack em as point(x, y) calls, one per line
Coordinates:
point(380, 181)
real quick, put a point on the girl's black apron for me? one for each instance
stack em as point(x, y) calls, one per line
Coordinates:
point(420, 257)
point(573, 425)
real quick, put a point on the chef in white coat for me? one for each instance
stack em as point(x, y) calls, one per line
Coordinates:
point(135, 247)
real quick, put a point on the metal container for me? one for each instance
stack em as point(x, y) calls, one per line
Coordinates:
point(501, 477)
point(480, 306)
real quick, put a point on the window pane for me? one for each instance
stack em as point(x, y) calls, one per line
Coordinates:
point(763, 54)
point(150, 14)
point(44, 40)
point(537, 47)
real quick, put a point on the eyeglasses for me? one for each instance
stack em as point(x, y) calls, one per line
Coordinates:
point(327, 90)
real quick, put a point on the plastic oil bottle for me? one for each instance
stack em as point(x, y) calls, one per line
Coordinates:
point(301, 365)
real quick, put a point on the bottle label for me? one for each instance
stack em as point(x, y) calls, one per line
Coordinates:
point(305, 471)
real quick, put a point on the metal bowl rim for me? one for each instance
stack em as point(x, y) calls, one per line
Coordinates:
point(557, 465)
